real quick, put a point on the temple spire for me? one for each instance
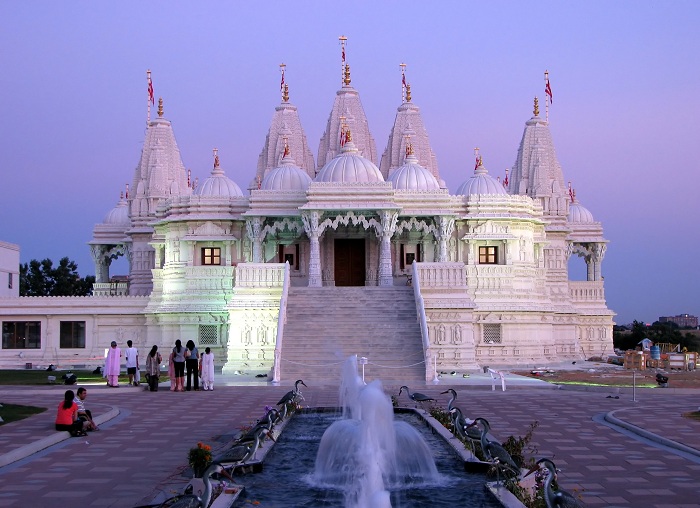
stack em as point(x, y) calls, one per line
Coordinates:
point(536, 109)
point(160, 107)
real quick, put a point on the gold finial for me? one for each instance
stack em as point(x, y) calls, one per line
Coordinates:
point(285, 95)
point(216, 158)
point(536, 111)
point(408, 92)
point(346, 80)
point(479, 161)
point(348, 135)
point(286, 147)
point(160, 107)
point(409, 149)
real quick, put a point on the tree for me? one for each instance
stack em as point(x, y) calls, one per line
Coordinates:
point(40, 278)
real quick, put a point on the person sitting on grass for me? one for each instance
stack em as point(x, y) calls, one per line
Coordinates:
point(67, 416)
point(85, 414)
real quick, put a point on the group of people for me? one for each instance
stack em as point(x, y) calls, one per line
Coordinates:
point(188, 359)
point(182, 359)
point(72, 415)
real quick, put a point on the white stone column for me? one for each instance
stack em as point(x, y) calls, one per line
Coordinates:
point(254, 230)
point(388, 227)
point(446, 226)
point(101, 264)
point(597, 259)
point(313, 231)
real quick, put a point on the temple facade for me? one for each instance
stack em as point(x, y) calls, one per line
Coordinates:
point(487, 264)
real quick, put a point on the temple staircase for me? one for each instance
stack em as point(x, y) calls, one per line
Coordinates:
point(326, 325)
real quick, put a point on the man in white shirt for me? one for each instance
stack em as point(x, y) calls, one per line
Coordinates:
point(132, 362)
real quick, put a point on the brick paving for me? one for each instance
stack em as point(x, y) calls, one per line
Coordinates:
point(140, 455)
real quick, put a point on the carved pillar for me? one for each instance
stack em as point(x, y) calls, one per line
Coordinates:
point(101, 263)
point(446, 226)
point(313, 231)
point(388, 227)
point(598, 253)
point(254, 229)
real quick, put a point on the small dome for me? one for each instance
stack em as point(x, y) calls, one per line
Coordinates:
point(579, 214)
point(481, 183)
point(349, 167)
point(288, 176)
point(413, 176)
point(119, 215)
point(218, 185)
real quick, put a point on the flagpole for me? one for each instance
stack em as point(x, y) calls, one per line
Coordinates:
point(546, 100)
point(403, 82)
point(342, 40)
point(148, 96)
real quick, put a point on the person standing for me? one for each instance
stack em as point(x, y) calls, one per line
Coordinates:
point(179, 363)
point(153, 368)
point(171, 372)
point(113, 365)
point(85, 414)
point(132, 363)
point(206, 369)
point(67, 416)
point(192, 357)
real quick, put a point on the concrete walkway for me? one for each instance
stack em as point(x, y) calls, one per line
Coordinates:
point(612, 451)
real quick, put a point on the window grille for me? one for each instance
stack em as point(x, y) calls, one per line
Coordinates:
point(492, 333)
point(208, 335)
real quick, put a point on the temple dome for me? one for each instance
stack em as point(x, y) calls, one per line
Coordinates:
point(119, 215)
point(349, 167)
point(288, 176)
point(218, 185)
point(579, 214)
point(481, 183)
point(413, 176)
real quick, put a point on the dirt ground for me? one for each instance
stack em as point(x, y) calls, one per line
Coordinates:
point(598, 373)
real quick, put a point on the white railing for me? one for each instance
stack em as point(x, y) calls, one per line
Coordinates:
point(110, 288)
point(281, 320)
point(442, 275)
point(430, 370)
point(259, 275)
point(586, 291)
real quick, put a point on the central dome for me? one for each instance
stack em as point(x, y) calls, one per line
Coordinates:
point(481, 183)
point(218, 185)
point(413, 176)
point(349, 167)
point(287, 176)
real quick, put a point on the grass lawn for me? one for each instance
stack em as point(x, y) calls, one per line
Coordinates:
point(40, 377)
point(14, 412)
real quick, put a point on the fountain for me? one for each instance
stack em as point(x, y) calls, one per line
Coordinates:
point(365, 458)
point(366, 453)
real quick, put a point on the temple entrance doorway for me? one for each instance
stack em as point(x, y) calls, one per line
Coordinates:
point(349, 257)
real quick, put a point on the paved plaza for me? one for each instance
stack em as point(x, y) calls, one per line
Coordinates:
point(140, 453)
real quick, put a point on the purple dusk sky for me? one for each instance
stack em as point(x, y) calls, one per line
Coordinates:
point(624, 120)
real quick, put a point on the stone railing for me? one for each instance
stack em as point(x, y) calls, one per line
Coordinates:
point(440, 275)
point(281, 320)
point(428, 354)
point(257, 275)
point(110, 289)
point(587, 291)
